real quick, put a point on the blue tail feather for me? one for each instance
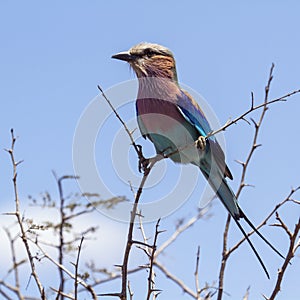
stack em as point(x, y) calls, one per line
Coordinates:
point(227, 197)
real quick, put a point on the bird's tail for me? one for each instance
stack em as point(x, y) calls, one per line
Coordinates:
point(227, 197)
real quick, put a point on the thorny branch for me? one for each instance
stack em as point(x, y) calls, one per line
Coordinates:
point(151, 283)
point(17, 213)
point(225, 253)
point(181, 230)
point(62, 223)
point(291, 252)
point(124, 267)
point(267, 218)
point(65, 270)
point(253, 108)
point(27, 228)
point(16, 264)
point(137, 148)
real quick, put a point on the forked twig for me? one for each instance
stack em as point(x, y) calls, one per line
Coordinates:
point(253, 108)
point(289, 256)
point(267, 218)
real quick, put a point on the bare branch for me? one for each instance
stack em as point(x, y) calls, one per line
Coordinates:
point(62, 224)
point(65, 270)
point(196, 274)
point(20, 220)
point(253, 108)
point(16, 264)
point(225, 253)
point(180, 230)
point(60, 293)
point(289, 256)
point(267, 218)
point(172, 277)
point(151, 282)
point(283, 225)
point(246, 296)
point(11, 288)
point(137, 148)
point(123, 294)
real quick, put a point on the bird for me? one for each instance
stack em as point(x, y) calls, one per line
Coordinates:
point(173, 121)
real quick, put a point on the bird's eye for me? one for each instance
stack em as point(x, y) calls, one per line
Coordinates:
point(149, 52)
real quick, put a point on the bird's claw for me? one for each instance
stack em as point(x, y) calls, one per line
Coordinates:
point(201, 142)
point(143, 164)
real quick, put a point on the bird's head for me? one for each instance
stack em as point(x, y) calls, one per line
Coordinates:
point(150, 60)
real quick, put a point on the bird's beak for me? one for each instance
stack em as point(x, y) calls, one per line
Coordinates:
point(126, 56)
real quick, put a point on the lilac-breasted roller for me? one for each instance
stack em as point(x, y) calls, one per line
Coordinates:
point(173, 121)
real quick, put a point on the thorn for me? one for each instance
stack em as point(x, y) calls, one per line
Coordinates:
point(99, 88)
point(9, 214)
point(19, 162)
point(248, 184)
point(132, 131)
point(227, 122)
point(240, 162)
point(252, 100)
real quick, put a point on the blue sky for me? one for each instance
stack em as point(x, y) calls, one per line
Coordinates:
point(53, 55)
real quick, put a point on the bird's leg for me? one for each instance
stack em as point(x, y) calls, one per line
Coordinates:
point(201, 142)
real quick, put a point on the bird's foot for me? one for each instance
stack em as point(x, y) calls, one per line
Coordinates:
point(201, 142)
point(145, 164)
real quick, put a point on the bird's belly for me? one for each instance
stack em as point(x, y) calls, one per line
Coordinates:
point(170, 133)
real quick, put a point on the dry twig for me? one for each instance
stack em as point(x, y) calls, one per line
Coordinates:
point(291, 252)
point(18, 215)
point(151, 282)
point(197, 273)
point(76, 269)
point(62, 224)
